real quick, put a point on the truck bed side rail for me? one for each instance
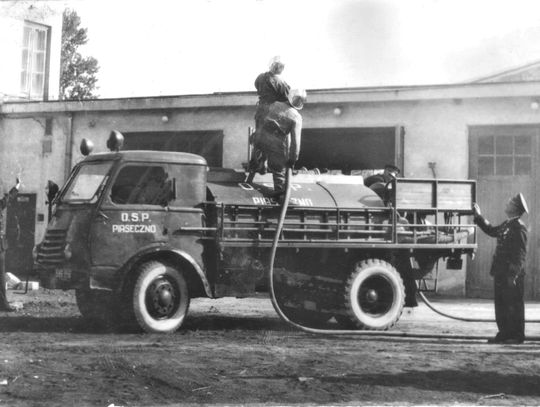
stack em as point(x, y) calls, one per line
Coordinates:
point(354, 227)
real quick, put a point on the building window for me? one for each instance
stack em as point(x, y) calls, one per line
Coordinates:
point(34, 60)
point(504, 155)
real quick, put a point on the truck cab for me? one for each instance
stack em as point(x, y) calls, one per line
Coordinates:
point(121, 209)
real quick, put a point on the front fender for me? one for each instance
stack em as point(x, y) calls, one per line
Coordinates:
point(167, 253)
point(200, 272)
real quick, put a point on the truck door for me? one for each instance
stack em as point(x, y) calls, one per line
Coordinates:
point(131, 216)
point(139, 211)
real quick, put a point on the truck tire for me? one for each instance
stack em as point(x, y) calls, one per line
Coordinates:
point(160, 298)
point(374, 295)
point(96, 306)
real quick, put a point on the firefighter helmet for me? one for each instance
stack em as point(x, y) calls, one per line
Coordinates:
point(297, 98)
point(276, 65)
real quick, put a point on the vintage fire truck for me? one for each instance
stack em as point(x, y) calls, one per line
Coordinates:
point(138, 234)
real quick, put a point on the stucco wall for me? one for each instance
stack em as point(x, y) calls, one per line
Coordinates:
point(22, 155)
point(234, 123)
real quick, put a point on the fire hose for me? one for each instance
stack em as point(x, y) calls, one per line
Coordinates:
point(279, 311)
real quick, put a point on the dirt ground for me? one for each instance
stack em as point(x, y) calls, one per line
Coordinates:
point(237, 351)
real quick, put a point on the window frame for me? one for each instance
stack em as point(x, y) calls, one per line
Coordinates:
point(495, 156)
point(31, 47)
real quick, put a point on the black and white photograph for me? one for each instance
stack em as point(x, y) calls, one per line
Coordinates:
point(269, 203)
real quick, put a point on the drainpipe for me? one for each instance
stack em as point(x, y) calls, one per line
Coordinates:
point(69, 149)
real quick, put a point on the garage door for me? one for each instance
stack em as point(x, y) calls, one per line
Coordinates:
point(208, 144)
point(350, 149)
point(504, 160)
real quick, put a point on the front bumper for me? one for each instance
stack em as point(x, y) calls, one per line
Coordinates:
point(66, 278)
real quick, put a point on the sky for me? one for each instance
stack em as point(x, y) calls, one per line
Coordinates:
point(175, 47)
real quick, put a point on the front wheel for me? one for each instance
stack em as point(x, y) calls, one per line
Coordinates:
point(160, 297)
point(374, 295)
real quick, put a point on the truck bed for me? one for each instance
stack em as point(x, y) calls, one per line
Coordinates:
point(418, 213)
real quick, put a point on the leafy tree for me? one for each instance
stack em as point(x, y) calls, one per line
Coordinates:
point(77, 73)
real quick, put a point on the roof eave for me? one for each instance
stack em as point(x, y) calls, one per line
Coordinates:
point(315, 96)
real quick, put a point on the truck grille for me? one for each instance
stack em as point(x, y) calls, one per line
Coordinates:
point(51, 250)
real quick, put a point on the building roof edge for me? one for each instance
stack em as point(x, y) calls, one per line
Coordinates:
point(319, 96)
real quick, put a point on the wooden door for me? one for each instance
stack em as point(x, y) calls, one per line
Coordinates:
point(504, 161)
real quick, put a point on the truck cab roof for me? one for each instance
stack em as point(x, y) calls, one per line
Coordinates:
point(149, 156)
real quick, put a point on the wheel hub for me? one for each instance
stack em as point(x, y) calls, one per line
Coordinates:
point(372, 296)
point(375, 296)
point(161, 298)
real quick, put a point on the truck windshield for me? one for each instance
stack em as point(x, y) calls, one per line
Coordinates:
point(87, 181)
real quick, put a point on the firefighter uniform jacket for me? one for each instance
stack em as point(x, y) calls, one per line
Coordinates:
point(281, 122)
point(271, 88)
point(511, 250)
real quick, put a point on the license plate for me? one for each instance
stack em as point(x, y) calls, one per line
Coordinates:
point(63, 274)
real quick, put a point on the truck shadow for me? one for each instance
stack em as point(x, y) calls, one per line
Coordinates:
point(77, 324)
point(42, 324)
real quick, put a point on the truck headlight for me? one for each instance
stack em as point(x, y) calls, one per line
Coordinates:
point(67, 252)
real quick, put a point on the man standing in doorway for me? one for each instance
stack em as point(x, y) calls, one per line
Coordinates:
point(508, 270)
point(5, 201)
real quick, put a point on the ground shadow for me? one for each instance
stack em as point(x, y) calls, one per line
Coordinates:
point(77, 324)
point(479, 382)
point(49, 325)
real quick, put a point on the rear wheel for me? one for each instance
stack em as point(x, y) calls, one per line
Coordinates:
point(374, 295)
point(160, 297)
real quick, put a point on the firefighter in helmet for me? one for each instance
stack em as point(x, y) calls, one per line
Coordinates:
point(278, 140)
point(270, 88)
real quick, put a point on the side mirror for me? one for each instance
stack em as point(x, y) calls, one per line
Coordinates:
point(52, 191)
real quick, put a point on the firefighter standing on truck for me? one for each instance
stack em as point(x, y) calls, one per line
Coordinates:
point(270, 88)
point(508, 270)
point(278, 140)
